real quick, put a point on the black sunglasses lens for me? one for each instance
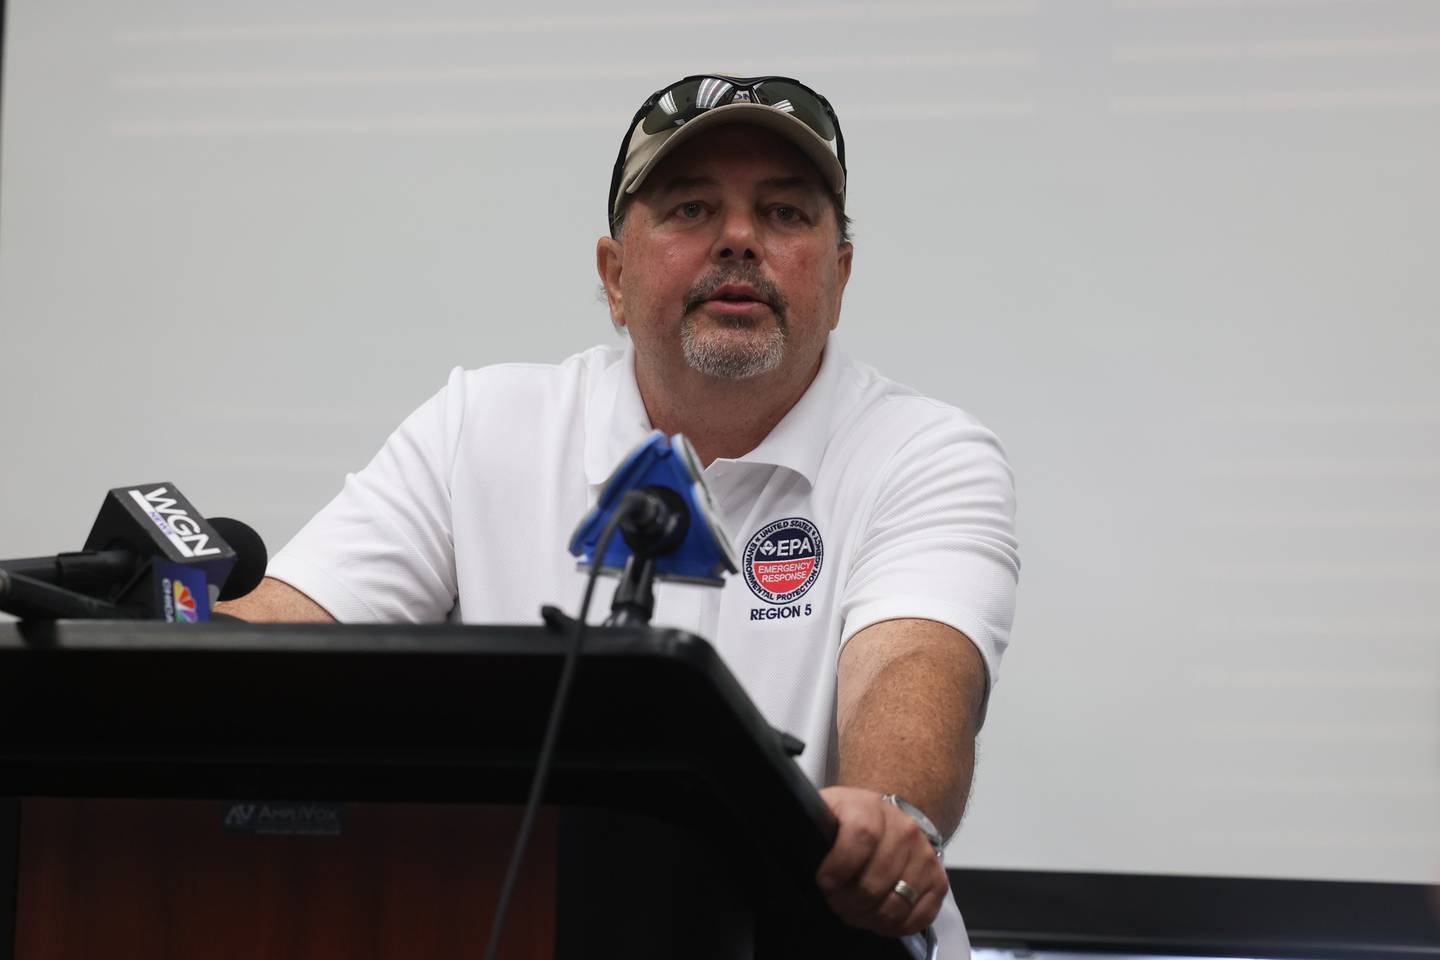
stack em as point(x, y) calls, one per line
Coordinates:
point(799, 103)
point(683, 101)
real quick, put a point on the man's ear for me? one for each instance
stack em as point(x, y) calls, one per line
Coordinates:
point(609, 263)
point(844, 256)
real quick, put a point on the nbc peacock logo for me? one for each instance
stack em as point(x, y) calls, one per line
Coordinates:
point(185, 611)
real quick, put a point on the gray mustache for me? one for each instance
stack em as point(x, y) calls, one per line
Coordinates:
point(751, 277)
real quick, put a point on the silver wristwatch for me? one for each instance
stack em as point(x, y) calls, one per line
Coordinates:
point(926, 827)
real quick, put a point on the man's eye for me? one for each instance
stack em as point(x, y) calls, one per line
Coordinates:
point(786, 214)
point(690, 211)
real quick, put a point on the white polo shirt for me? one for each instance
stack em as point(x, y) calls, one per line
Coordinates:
point(867, 502)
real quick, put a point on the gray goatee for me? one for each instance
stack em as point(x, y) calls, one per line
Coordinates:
point(714, 353)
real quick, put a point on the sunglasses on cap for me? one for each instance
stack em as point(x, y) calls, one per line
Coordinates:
point(670, 108)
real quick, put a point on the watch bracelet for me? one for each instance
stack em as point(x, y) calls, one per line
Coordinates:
point(927, 826)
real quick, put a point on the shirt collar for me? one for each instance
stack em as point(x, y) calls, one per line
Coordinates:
point(798, 441)
point(615, 417)
point(616, 420)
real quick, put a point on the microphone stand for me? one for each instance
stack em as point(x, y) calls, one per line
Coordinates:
point(654, 522)
point(634, 600)
point(31, 599)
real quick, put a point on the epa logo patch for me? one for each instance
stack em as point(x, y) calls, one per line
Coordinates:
point(783, 560)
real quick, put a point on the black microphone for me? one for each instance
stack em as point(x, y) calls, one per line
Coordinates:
point(149, 555)
point(97, 572)
point(251, 557)
point(655, 522)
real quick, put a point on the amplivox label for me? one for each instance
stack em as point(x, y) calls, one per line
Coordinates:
point(283, 819)
point(174, 522)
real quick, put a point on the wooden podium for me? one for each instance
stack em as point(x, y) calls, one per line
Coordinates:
point(229, 790)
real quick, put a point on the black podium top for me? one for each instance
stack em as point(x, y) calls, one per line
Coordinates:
point(657, 725)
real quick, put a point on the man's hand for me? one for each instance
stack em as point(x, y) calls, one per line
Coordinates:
point(879, 844)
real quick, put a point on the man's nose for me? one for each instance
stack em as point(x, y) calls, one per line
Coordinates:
point(738, 238)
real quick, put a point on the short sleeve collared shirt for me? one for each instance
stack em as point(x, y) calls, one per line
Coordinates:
point(867, 502)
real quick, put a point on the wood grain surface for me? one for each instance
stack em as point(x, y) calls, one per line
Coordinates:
point(162, 879)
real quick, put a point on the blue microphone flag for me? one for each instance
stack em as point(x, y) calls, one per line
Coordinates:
point(704, 556)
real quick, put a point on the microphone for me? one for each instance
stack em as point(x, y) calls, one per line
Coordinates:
point(670, 481)
point(149, 555)
point(251, 557)
point(96, 572)
point(669, 528)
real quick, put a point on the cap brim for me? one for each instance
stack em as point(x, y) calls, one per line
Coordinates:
point(810, 143)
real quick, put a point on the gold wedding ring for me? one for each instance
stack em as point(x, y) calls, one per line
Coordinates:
point(907, 891)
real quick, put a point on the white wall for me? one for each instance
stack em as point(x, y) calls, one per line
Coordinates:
point(1180, 254)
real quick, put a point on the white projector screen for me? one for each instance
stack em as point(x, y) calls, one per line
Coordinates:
point(1180, 254)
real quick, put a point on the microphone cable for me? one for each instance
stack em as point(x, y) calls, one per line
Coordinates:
point(552, 730)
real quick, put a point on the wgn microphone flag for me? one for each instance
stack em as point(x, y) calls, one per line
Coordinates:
point(188, 560)
point(704, 556)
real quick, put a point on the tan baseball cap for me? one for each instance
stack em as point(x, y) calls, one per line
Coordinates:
point(689, 107)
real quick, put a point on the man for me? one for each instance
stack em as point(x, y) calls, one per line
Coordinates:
point(877, 526)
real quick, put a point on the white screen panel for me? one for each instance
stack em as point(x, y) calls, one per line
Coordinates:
point(1178, 253)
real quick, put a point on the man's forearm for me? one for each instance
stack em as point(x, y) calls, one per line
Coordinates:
point(908, 713)
point(275, 601)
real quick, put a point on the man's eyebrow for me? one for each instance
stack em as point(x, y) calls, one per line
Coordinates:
point(676, 184)
point(788, 183)
point(686, 183)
